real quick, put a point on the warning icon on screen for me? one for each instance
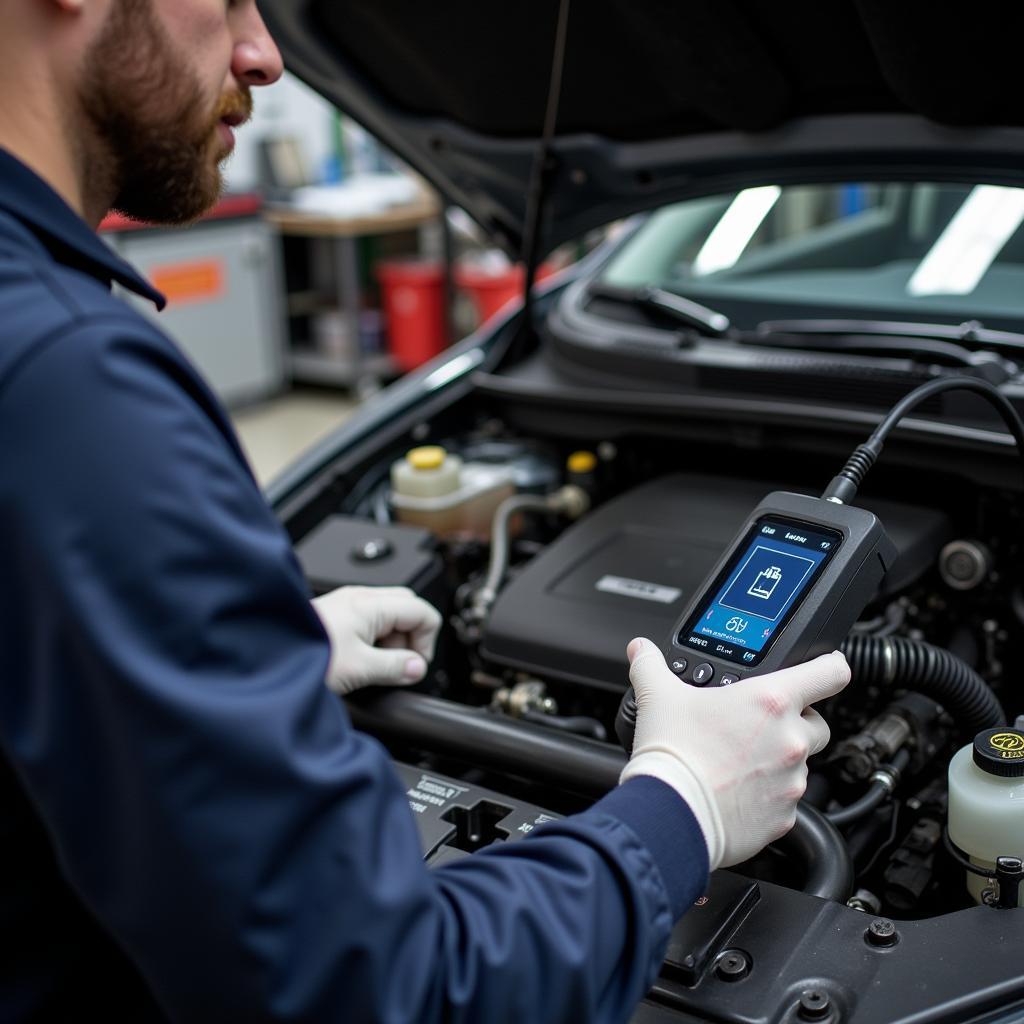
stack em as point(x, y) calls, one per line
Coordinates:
point(765, 583)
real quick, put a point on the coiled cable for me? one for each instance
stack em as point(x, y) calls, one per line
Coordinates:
point(933, 671)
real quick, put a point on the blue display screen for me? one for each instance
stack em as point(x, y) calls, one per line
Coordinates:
point(759, 590)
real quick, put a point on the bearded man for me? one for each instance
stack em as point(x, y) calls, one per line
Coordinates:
point(191, 828)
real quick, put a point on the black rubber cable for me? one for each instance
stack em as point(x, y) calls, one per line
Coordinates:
point(962, 859)
point(960, 383)
point(844, 486)
point(874, 797)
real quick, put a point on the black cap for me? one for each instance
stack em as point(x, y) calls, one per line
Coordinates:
point(1000, 752)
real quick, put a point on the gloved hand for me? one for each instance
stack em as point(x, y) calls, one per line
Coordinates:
point(736, 754)
point(379, 635)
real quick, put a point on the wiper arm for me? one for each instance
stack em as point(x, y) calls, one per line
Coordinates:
point(970, 330)
point(935, 342)
point(686, 311)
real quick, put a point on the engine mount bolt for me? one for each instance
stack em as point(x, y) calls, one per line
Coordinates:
point(882, 933)
point(732, 965)
point(814, 1004)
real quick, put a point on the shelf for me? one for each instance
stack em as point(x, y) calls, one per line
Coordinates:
point(338, 281)
point(308, 303)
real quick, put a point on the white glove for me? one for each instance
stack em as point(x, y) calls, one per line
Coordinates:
point(736, 754)
point(379, 635)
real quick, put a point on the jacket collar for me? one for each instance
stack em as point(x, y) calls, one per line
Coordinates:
point(27, 198)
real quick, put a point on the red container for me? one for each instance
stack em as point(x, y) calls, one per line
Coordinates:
point(491, 290)
point(412, 296)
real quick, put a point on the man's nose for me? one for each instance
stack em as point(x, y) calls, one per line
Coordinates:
point(256, 60)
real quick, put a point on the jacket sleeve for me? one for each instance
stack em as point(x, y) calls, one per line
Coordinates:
point(164, 707)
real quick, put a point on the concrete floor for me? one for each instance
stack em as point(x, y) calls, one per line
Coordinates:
point(273, 433)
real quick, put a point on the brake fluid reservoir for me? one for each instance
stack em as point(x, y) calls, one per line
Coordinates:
point(428, 472)
point(986, 801)
point(436, 490)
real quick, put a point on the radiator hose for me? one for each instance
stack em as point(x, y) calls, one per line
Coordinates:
point(924, 668)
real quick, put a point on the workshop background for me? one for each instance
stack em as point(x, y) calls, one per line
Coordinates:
point(327, 270)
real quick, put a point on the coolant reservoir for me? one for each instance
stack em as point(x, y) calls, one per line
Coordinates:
point(436, 490)
point(986, 801)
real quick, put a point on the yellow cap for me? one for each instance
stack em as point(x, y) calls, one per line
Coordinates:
point(430, 456)
point(581, 462)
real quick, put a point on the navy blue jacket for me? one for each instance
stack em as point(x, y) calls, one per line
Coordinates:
point(192, 829)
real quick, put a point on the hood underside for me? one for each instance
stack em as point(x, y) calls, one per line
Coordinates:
point(660, 99)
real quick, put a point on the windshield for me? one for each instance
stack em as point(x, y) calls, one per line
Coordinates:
point(916, 252)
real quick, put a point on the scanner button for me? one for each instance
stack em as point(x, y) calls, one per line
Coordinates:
point(727, 679)
point(678, 665)
point(702, 674)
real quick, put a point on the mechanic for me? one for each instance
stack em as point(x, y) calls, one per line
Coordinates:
point(192, 829)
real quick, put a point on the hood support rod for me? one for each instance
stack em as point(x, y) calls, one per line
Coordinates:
point(543, 165)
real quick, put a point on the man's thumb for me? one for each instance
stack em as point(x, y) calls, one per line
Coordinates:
point(391, 666)
point(638, 647)
point(647, 664)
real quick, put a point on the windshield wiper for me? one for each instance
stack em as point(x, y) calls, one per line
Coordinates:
point(938, 343)
point(685, 311)
point(969, 331)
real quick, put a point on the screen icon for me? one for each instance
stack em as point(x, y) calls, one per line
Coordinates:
point(765, 583)
point(736, 624)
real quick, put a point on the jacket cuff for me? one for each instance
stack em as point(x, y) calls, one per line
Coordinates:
point(664, 823)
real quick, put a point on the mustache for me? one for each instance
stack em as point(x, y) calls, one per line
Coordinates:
point(236, 104)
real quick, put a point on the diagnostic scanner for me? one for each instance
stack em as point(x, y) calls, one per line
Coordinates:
point(788, 588)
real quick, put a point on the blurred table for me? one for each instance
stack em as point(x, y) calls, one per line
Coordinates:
point(318, 225)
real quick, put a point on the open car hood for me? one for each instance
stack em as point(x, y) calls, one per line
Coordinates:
point(661, 99)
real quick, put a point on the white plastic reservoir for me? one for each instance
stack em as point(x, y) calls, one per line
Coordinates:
point(986, 801)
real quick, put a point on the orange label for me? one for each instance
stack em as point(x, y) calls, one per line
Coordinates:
point(190, 282)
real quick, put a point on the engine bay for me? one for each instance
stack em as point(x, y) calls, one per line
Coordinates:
point(551, 555)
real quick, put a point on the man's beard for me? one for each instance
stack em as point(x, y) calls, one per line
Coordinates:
point(153, 148)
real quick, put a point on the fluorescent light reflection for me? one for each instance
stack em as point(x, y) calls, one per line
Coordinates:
point(732, 234)
point(970, 242)
point(454, 368)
